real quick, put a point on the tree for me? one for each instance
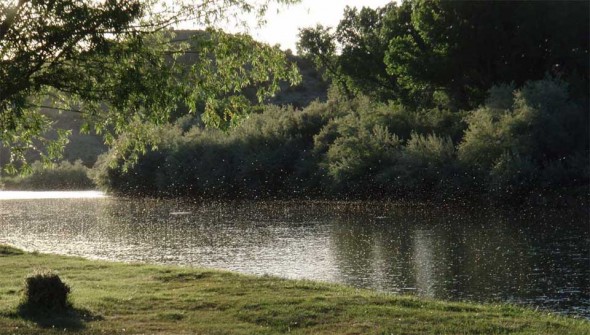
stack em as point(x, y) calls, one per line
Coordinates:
point(359, 39)
point(364, 35)
point(117, 62)
point(354, 54)
point(427, 53)
point(463, 48)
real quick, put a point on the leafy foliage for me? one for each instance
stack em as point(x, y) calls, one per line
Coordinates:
point(122, 68)
point(449, 53)
point(543, 132)
point(256, 158)
point(429, 98)
point(358, 148)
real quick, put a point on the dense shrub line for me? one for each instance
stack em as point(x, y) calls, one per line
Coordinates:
point(61, 176)
point(522, 142)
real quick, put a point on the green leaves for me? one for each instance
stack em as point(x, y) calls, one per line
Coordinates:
point(43, 45)
point(415, 52)
point(539, 138)
point(229, 66)
point(117, 64)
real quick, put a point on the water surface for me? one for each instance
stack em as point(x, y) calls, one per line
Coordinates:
point(22, 195)
point(533, 257)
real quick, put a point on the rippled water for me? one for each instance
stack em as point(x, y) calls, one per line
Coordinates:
point(531, 257)
point(22, 195)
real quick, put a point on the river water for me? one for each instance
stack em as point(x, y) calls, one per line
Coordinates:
point(534, 257)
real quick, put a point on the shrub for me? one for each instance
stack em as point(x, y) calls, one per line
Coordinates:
point(483, 142)
point(430, 149)
point(539, 142)
point(353, 161)
point(60, 176)
point(426, 163)
point(44, 290)
point(262, 156)
point(512, 177)
point(521, 141)
point(361, 148)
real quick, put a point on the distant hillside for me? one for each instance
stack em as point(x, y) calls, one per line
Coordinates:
point(312, 86)
point(82, 147)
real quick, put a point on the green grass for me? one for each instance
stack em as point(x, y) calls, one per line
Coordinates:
point(116, 298)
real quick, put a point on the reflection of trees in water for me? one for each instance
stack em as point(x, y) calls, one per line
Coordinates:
point(370, 252)
point(425, 264)
point(522, 257)
point(279, 238)
point(488, 260)
point(439, 253)
point(559, 257)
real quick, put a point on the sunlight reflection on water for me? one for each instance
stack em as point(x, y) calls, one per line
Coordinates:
point(531, 256)
point(24, 195)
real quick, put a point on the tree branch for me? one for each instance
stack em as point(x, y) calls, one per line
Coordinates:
point(10, 18)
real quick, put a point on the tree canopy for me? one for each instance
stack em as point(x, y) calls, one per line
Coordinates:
point(119, 64)
point(431, 52)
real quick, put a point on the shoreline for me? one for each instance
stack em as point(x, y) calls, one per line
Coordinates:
point(557, 201)
point(142, 298)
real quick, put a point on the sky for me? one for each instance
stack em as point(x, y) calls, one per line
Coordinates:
point(282, 27)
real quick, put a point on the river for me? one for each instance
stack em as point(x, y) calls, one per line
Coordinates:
point(534, 257)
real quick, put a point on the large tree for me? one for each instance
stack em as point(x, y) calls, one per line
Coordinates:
point(424, 52)
point(118, 63)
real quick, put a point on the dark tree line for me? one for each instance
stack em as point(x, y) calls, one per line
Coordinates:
point(424, 53)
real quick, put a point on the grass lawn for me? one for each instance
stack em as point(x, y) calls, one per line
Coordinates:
point(116, 298)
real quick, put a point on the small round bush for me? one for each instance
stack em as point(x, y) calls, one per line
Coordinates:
point(45, 290)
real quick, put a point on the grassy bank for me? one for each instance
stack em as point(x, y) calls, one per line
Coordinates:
point(117, 298)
